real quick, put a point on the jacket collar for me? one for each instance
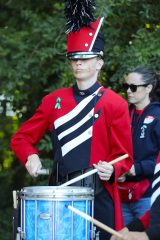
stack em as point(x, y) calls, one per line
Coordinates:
point(86, 92)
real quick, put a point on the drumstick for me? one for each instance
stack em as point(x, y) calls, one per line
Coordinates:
point(96, 222)
point(76, 179)
point(43, 171)
point(119, 159)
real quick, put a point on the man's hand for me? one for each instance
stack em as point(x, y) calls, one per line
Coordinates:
point(33, 164)
point(127, 235)
point(105, 170)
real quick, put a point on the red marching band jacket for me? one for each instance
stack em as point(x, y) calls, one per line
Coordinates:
point(110, 135)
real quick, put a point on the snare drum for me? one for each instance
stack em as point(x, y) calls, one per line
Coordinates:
point(44, 215)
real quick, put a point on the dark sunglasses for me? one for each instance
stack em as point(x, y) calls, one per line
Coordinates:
point(132, 87)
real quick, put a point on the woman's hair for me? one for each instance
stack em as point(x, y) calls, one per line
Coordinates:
point(150, 77)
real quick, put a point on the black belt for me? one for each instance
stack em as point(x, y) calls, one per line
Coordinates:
point(91, 181)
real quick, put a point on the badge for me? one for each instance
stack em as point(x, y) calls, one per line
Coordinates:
point(58, 103)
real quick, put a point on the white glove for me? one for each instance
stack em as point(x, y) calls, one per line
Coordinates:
point(105, 170)
point(33, 164)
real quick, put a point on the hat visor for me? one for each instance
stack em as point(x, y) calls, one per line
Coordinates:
point(83, 55)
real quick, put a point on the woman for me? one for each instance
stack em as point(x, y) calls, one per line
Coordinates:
point(143, 91)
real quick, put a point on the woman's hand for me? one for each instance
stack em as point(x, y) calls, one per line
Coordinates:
point(132, 171)
point(122, 178)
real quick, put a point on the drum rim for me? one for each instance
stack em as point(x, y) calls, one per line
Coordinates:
point(55, 192)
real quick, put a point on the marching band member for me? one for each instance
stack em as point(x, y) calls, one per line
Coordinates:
point(89, 124)
point(146, 227)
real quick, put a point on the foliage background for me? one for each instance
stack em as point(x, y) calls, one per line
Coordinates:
point(33, 63)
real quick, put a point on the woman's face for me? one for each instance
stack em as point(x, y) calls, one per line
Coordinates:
point(137, 95)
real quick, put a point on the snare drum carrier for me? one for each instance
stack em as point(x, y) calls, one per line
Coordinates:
point(44, 215)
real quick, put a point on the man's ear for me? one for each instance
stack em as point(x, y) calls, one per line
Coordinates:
point(100, 64)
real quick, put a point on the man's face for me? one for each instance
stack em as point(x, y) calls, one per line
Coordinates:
point(85, 69)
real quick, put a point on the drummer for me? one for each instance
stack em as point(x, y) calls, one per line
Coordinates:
point(89, 126)
point(146, 227)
